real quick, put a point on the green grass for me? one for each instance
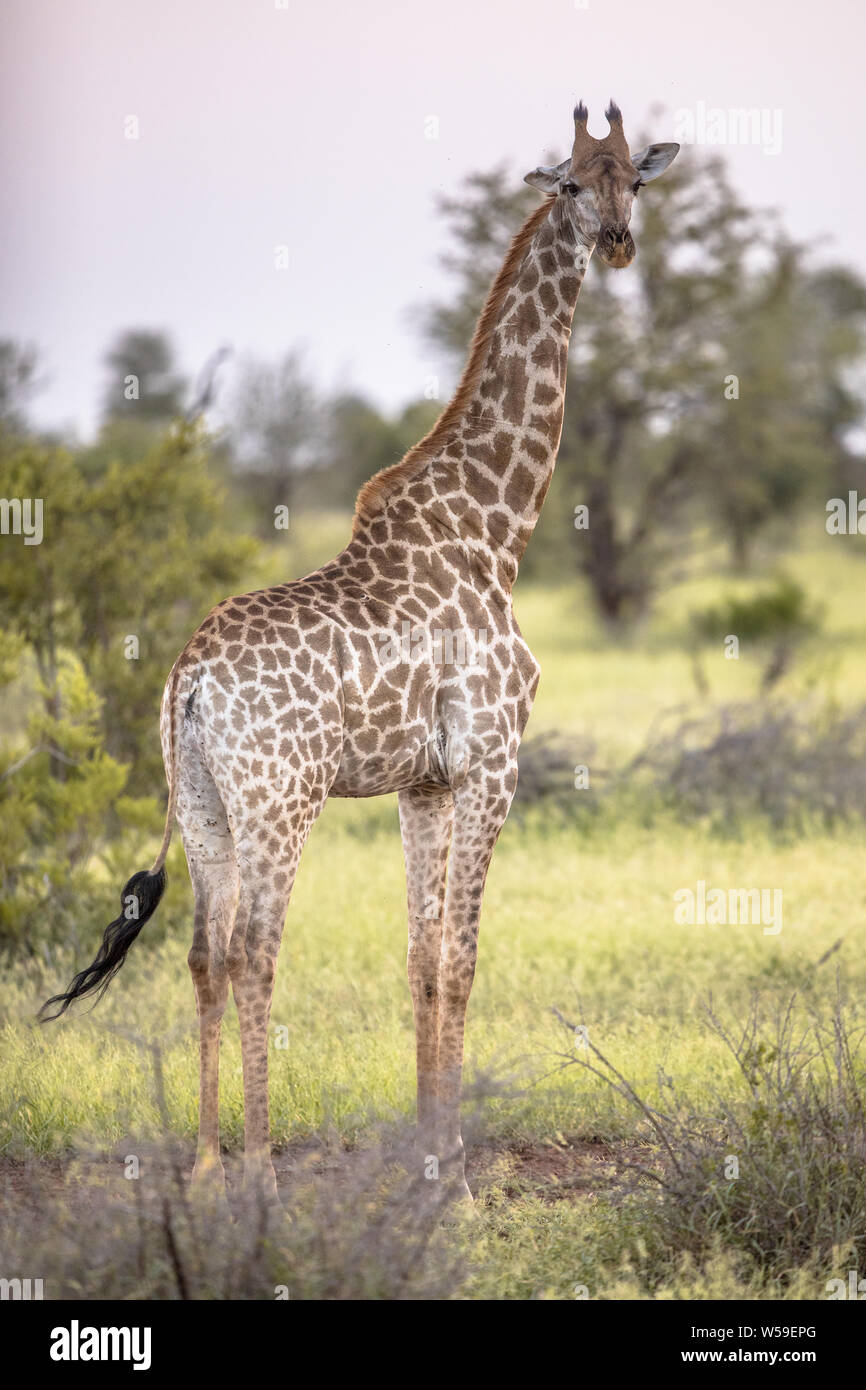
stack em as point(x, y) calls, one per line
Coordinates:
point(573, 920)
point(586, 928)
point(613, 691)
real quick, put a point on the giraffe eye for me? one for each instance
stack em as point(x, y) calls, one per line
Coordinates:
point(637, 185)
point(571, 188)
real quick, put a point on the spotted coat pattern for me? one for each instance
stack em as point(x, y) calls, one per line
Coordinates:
point(290, 695)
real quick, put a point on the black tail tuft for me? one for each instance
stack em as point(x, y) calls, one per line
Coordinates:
point(138, 902)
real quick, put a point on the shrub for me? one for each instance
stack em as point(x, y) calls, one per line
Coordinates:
point(774, 1170)
point(790, 765)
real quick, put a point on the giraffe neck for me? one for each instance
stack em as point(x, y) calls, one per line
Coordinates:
point(508, 436)
point(480, 476)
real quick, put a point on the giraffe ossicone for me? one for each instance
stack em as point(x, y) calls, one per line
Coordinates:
point(283, 697)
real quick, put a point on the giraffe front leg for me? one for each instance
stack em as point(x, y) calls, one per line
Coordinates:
point(426, 820)
point(480, 808)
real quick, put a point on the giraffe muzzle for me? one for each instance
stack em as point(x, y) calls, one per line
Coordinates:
point(616, 247)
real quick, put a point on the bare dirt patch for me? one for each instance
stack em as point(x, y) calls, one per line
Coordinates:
point(564, 1170)
point(558, 1171)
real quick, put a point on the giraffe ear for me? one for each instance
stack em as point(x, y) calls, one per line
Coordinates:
point(548, 177)
point(654, 160)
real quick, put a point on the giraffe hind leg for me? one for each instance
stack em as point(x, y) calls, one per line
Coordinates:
point(267, 873)
point(213, 871)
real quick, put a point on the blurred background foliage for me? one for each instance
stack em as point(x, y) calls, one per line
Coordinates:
point(714, 405)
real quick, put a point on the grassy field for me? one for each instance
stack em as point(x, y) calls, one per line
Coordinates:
point(579, 918)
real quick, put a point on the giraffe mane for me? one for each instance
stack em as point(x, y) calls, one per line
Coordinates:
point(375, 493)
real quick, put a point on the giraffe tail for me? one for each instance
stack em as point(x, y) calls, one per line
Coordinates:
point(138, 902)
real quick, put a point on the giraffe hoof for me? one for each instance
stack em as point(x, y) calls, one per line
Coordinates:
point(208, 1175)
point(207, 1189)
point(261, 1186)
point(460, 1205)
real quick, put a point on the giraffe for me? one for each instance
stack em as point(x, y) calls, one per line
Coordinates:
point(353, 681)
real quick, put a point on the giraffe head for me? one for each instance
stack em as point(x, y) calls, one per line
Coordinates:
point(599, 182)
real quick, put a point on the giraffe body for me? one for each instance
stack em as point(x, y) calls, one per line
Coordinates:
point(398, 667)
point(300, 692)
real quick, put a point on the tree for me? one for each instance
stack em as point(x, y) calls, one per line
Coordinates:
point(783, 433)
point(273, 426)
point(358, 441)
point(50, 823)
point(130, 561)
point(144, 384)
point(833, 308)
point(18, 383)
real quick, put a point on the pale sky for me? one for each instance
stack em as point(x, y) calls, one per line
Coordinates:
point(306, 124)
